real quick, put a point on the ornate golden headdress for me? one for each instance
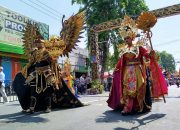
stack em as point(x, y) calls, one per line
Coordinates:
point(30, 36)
point(55, 46)
point(128, 28)
point(146, 21)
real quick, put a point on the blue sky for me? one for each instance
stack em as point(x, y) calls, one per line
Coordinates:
point(62, 6)
point(166, 33)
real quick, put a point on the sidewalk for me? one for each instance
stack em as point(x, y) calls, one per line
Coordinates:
point(10, 98)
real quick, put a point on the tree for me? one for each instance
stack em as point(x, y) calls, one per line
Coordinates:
point(167, 61)
point(99, 11)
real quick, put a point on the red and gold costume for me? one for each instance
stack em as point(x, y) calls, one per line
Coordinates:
point(129, 78)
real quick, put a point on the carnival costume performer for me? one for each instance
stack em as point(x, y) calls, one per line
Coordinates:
point(67, 75)
point(129, 86)
point(40, 86)
point(41, 80)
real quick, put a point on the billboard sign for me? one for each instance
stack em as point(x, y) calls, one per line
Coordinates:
point(12, 25)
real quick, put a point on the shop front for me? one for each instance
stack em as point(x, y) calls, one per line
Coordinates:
point(12, 25)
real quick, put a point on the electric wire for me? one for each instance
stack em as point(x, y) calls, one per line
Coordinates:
point(39, 10)
point(50, 8)
point(44, 8)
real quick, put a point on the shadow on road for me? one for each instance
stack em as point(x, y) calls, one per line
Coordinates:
point(141, 119)
point(93, 96)
point(21, 117)
point(14, 104)
point(173, 97)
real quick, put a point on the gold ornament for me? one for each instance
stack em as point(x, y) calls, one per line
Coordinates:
point(55, 46)
point(121, 46)
point(128, 28)
point(146, 21)
point(31, 33)
point(72, 30)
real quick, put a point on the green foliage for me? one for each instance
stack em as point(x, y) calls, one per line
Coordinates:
point(111, 62)
point(98, 86)
point(99, 11)
point(88, 62)
point(167, 61)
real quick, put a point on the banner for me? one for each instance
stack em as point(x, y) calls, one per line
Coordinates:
point(12, 25)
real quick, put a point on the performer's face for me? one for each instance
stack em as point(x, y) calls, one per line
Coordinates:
point(39, 45)
point(128, 40)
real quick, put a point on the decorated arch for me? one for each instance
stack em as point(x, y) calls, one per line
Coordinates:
point(114, 24)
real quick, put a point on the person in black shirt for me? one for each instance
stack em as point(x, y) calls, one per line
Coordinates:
point(109, 80)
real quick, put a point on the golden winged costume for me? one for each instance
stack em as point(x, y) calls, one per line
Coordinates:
point(42, 74)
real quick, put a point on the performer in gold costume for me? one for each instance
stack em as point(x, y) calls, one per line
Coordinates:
point(40, 86)
point(40, 78)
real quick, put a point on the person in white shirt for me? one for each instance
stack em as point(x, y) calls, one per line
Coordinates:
point(2, 85)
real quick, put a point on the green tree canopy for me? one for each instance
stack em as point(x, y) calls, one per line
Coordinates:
point(99, 11)
point(167, 61)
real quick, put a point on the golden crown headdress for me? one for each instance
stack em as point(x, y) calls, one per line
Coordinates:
point(55, 46)
point(128, 28)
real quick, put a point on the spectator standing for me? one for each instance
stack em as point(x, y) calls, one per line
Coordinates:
point(77, 86)
point(177, 81)
point(88, 81)
point(83, 84)
point(109, 80)
point(105, 84)
point(2, 85)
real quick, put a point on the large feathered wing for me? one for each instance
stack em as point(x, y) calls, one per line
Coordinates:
point(72, 29)
point(31, 33)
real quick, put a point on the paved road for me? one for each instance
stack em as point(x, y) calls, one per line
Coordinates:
point(96, 116)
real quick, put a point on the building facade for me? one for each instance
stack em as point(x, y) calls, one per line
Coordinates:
point(12, 25)
point(78, 59)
